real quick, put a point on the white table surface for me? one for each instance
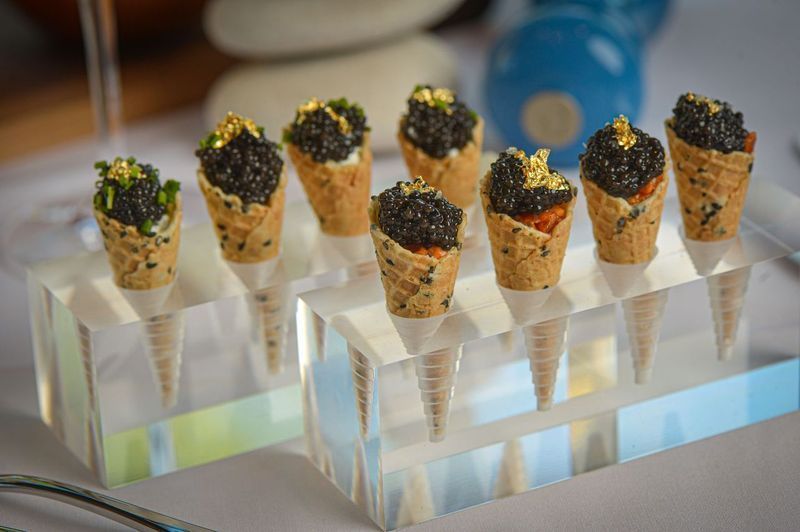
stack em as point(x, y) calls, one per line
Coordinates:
point(744, 52)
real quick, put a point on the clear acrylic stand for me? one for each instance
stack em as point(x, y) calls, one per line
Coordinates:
point(136, 393)
point(614, 365)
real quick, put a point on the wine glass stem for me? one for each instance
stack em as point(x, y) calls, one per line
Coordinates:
point(100, 39)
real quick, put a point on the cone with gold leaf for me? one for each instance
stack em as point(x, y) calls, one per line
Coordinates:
point(631, 164)
point(454, 171)
point(528, 256)
point(419, 284)
point(328, 143)
point(143, 257)
point(246, 205)
point(713, 157)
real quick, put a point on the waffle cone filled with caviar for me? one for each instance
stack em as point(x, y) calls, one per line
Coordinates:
point(712, 158)
point(328, 143)
point(140, 221)
point(441, 139)
point(623, 173)
point(417, 236)
point(243, 180)
point(528, 210)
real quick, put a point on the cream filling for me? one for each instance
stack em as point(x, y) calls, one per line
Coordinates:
point(353, 158)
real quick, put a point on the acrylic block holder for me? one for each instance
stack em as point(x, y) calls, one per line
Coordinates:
point(643, 362)
point(212, 374)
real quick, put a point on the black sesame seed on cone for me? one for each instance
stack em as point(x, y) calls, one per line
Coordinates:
point(321, 136)
point(419, 219)
point(434, 130)
point(509, 196)
point(247, 166)
point(722, 130)
point(138, 203)
point(620, 172)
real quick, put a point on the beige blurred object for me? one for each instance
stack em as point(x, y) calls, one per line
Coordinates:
point(254, 29)
point(378, 77)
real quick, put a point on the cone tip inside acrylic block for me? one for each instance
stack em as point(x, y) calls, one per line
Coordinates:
point(415, 332)
point(148, 303)
point(524, 304)
point(254, 275)
point(622, 277)
point(705, 255)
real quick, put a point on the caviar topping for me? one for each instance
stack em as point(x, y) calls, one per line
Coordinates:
point(709, 124)
point(522, 185)
point(240, 160)
point(328, 131)
point(416, 215)
point(437, 122)
point(618, 170)
point(131, 193)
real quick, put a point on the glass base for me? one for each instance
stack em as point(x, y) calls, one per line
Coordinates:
point(697, 343)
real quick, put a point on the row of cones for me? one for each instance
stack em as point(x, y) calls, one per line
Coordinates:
point(528, 263)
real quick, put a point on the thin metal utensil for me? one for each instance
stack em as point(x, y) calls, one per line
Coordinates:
point(122, 512)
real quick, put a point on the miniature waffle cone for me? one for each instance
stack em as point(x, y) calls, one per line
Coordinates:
point(643, 315)
point(247, 232)
point(144, 267)
point(524, 258)
point(363, 387)
point(267, 307)
point(727, 292)
point(624, 233)
point(512, 476)
point(405, 274)
point(436, 378)
point(545, 344)
point(707, 179)
point(142, 262)
point(339, 194)
point(165, 346)
point(456, 176)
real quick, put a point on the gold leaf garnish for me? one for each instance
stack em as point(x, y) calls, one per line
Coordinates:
point(124, 171)
point(315, 104)
point(538, 173)
point(625, 135)
point(418, 185)
point(230, 128)
point(712, 106)
point(439, 97)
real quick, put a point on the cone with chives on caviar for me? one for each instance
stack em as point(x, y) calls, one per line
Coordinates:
point(328, 142)
point(243, 180)
point(441, 139)
point(418, 236)
point(140, 220)
point(623, 173)
point(712, 157)
point(528, 209)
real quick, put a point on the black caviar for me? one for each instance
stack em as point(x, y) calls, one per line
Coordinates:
point(708, 124)
point(321, 135)
point(621, 172)
point(415, 215)
point(437, 129)
point(247, 166)
point(509, 196)
point(131, 193)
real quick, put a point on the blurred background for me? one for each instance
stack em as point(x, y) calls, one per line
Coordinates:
point(88, 79)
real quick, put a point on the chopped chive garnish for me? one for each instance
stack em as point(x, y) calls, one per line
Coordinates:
point(136, 171)
point(162, 197)
point(286, 136)
point(98, 200)
point(260, 130)
point(146, 226)
point(473, 115)
point(131, 160)
point(171, 188)
point(110, 191)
